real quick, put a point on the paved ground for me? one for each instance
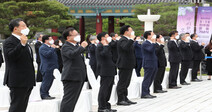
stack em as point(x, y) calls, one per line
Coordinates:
point(196, 97)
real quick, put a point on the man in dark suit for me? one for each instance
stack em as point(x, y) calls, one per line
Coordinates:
point(107, 70)
point(138, 55)
point(150, 63)
point(113, 46)
point(126, 62)
point(160, 53)
point(20, 73)
point(92, 51)
point(74, 69)
point(198, 56)
point(174, 59)
point(37, 46)
point(49, 62)
point(186, 52)
point(1, 57)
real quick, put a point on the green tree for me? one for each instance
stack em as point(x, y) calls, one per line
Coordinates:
point(38, 14)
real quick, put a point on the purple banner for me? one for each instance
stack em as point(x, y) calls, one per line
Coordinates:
point(185, 20)
point(204, 24)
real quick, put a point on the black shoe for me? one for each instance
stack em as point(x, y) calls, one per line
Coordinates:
point(130, 102)
point(104, 110)
point(148, 97)
point(113, 110)
point(124, 103)
point(174, 87)
point(159, 91)
point(48, 98)
point(185, 83)
point(209, 79)
point(196, 80)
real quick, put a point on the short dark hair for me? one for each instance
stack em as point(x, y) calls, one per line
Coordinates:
point(56, 42)
point(45, 37)
point(192, 35)
point(112, 34)
point(123, 29)
point(66, 32)
point(157, 36)
point(187, 33)
point(100, 35)
point(14, 23)
point(172, 33)
point(146, 34)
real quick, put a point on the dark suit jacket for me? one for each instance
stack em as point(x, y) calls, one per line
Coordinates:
point(126, 53)
point(37, 46)
point(74, 68)
point(160, 53)
point(113, 46)
point(185, 50)
point(174, 52)
point(197, 51)
point(149, 56)
point(92, 51)
point(59, 57)
point(105, 64)
point(1, 57)
point(138, 53)
point(48, 59)
point(19, 63)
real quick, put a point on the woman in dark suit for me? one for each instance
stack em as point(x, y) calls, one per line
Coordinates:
point(208, 51)
point(59, 44)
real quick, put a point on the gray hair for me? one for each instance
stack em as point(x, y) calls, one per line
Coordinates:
point(92, 38)
point(181, 36)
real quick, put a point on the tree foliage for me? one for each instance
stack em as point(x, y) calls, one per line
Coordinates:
point(38, 14)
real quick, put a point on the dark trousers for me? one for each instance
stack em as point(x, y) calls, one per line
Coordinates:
point(184, 70)
point(39, 75)
point(106, 85)
point(159, 78)
point(138, 66)
point(72, 90)
point(19, 98)
point(195, 68)
point(173, 73)
point(149, 75)
point(46, 84)
point(93, 67)
point(123, 83)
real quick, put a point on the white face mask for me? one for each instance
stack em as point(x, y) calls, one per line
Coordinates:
point(139, 40)
point(51, 41)
point(25, 31)
point(60, 44)
point(97, 41)
point(77, 38)
point(197, 38)
point(132, 33)
point(117, 38)
point(177, 37)
point(109, 39)
point(188, 38)
point(162, 39)
point(154, 36)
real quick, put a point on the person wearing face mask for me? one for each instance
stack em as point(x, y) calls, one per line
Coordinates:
point(49, 62)
point(92, 51)
point(19, 73)
point(58, 43)
point(126, 62)
point(186, 52)
point(37, 46)
point(113, 45)
point(74, 69)
point(208, 52)
point(150, 63)
point(107, 71)
point(174, 59)
point(138, 55)
point(198, 56)
point(162, 63)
